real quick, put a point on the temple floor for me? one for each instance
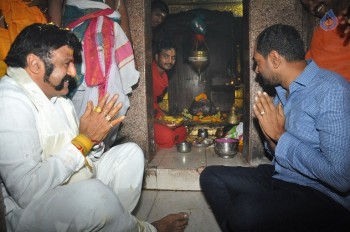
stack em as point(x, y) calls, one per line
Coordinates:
point(171, 185)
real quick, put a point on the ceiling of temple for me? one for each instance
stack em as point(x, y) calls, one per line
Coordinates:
point(234, 6)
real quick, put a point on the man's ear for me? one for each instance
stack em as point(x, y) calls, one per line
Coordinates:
point(275, 58)
point(34, 64)
point(156, 57)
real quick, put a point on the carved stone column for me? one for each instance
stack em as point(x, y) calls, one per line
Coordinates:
point(138, 125)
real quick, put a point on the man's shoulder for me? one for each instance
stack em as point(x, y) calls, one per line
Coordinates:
point(332, 80)
point(10, 89)
point(7, 84)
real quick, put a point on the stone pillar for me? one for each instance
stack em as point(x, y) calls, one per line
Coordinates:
point(138, 125)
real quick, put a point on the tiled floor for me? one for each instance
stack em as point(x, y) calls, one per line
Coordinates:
point(155, 204)
point(171, 185)
point(171, 170)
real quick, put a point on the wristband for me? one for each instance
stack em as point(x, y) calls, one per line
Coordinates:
point(83, 143)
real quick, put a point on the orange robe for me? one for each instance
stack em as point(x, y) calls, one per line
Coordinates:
point(17, 16)
point(164, 136)
point(329, 52)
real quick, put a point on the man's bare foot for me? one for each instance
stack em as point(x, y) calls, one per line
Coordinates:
point(172, 223)
point(200, 169)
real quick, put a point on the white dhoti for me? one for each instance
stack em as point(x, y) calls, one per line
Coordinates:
point(100, 204)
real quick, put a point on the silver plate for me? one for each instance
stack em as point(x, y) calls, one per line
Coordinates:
point(200, 145)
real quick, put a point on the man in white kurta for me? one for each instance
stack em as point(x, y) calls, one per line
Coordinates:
point(44, 179)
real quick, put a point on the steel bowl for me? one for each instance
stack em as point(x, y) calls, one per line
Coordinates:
point(184, 147)
point(225, 147)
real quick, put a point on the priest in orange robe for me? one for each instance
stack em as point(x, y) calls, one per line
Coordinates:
point(165, 135)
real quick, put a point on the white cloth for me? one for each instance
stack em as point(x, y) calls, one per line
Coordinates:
point(85, 4)
point(35, 195)
point(120, 79)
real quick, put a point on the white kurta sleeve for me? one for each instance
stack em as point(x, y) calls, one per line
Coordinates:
point(24, 173)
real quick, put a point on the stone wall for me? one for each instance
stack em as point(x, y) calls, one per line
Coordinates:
point(138, 125)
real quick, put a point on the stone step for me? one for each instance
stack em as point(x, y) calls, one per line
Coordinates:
point(172, 170)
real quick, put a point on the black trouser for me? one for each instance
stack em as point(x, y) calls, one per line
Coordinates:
point(249, 199)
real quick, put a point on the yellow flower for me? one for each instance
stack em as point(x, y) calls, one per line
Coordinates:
point(201, 96)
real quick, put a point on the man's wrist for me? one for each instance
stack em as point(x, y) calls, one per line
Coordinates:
point(83, 143)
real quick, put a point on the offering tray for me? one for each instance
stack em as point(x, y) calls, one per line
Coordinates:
point(200, 142)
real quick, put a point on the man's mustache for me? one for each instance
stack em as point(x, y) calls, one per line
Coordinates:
point(60, 86)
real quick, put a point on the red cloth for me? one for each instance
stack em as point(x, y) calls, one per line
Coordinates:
point(327, 49)
point(94, 76)
point(164, 136)
point(160, 83)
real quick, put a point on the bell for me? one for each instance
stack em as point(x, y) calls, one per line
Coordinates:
point(199, 60)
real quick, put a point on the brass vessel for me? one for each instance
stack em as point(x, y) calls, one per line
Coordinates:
point(232, 117)
point(199, 60)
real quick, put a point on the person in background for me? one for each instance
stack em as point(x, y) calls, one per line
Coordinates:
point(55, 13)
point(166, 135)
point(307, 129)
point(55, 174)
point(330, 47)
point(14, 16)
point(159, 11)
point(111, 69)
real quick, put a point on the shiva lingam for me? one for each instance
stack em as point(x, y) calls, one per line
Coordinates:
point(199, 60)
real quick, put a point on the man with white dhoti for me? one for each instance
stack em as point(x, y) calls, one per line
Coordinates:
point(55, 175)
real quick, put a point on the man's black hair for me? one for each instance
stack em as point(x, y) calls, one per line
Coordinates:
point(164, 44)
point(284, 39)
point(159, 4)
point(40, 40)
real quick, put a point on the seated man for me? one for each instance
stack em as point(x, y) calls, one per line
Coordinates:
point(55, 175)
point(165, 135)
point(307, 129)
